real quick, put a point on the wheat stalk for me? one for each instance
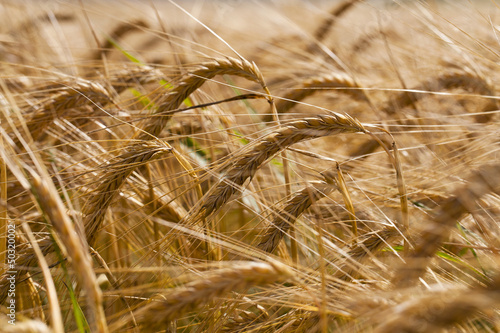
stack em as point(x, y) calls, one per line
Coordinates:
point(51, 204)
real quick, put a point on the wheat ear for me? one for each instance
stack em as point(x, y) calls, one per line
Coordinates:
point(449, 80)
point(338, 81)
point(291, 211)
point(120, 31)
point(76, 95)
point(481, 182)
point(193, 295)
point(194, 80)
point(246, 165)
point(113, 178)
point(335, 13)
point(357, 255)
point(294, 321)
point(439, 310)
point(134, 76)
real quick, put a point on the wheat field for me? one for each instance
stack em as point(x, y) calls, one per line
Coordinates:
point(250, 166)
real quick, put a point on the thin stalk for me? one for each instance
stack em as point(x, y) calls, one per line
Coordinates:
point(348, 201)
point(405, 217)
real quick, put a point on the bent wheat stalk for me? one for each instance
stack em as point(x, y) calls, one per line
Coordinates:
point(52, 205)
